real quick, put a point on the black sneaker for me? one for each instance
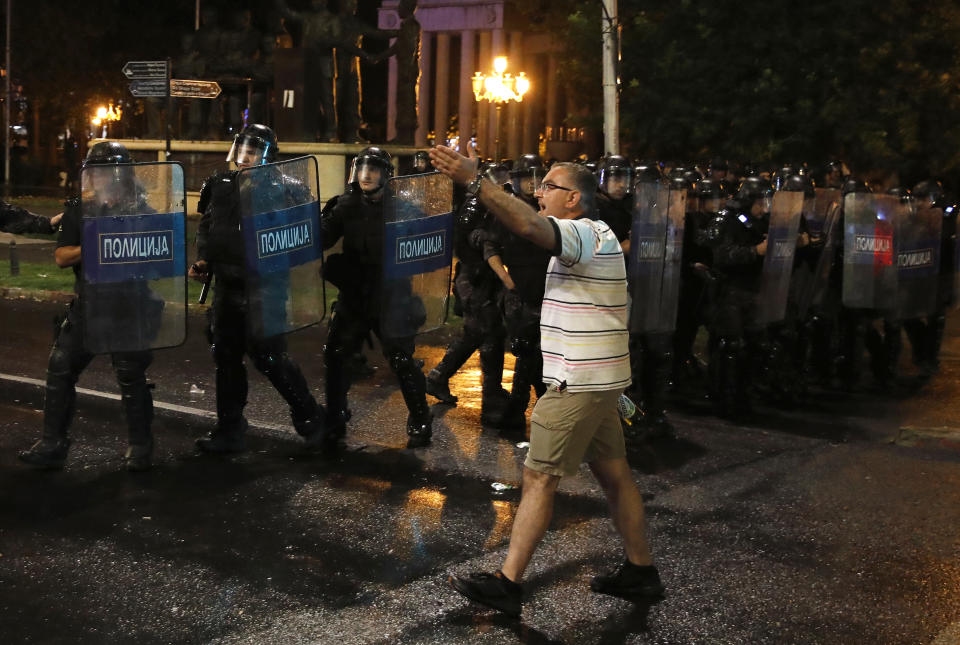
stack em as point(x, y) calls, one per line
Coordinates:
point(630, 581)
point(491, 589)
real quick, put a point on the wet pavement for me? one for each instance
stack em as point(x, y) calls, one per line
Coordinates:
point(835, 523)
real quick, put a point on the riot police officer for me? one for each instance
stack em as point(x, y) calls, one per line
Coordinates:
point(738, 237)
point(357, 218)
point(220, 255)
point(926, 334)
point(703, 204)
point(477, 287)
point(527, 265)
point(615, 201)
point(69, 355)
point(421, 162)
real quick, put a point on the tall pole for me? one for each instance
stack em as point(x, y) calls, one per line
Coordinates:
point(6, 105)
point(196, 16)
point(611, 108)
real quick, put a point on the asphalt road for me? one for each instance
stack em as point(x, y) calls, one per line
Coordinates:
point(834, 523)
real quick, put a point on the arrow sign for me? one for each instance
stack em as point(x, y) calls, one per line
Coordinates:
point(149, 87)
point(194, 89)
point(145, 69)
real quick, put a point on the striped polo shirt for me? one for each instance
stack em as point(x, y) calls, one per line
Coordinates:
point(583, 321)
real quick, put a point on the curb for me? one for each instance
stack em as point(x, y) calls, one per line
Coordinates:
point(64, 297)
point(941, 437)
point(16, 293)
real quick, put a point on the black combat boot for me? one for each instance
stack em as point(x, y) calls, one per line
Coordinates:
point(226, 438)
point(419, 431)
point(50, 452)
point(138, 405)
point(47, 453)
point(438, 387)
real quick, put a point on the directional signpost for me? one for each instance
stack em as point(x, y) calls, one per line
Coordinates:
point(194, 89)
point(137, 69)
point(149, 87)
point(151, 79)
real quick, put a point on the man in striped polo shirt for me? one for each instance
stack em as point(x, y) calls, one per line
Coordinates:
point(586, 365)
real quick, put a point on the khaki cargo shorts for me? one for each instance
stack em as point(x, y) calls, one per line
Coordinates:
point(569, 428)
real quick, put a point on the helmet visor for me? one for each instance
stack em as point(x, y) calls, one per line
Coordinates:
point(248, 151)
point(527, 182)
point(497, 174)
point(367, 174)
point(617, 182)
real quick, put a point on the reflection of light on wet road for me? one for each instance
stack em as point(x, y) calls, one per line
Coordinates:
point(375, 487)
point(421, 516)
point(500, 531)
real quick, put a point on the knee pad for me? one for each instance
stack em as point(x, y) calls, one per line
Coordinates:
point(265, 362)
point(400, 360)
point(224, 353)
point(131, 370)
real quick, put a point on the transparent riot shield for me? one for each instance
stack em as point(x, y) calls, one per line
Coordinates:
point(778, 260)
point(656, 248)
point(824, 199)
point(870, 250)
point(417, 254)
point(831, 235)
point(280, 221)
point(133, 290)
point(918, 260)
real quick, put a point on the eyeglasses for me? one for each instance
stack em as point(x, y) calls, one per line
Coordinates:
point(546, 185)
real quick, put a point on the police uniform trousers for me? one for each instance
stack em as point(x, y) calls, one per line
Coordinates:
point(351, 324)
point(230, 339)
point(69, 357)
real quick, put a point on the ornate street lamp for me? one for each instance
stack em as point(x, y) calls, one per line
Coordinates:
point(499, 88)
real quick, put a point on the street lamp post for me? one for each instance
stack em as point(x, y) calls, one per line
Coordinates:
point(499, 88)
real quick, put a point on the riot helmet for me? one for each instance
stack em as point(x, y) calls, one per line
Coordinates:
point(646, 172)
point(852, 185)
point(691, 176)
point(833, 174)
point(110, 175)
point(371, 169)
point(107, 152)
point(616, 176)
point(421, 162)
point(796, 183)
point(710, 193)
point(754, 189)
point(498, 173)
point(931, 192)
point(899, 191)
point(782, 175)
point(255, 145)
point(526, 175)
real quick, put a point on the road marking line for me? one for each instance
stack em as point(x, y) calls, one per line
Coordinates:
point(173, 407)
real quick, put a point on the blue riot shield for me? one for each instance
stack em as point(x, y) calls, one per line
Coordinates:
point(133, 289)
point(280, 221)
point(778, 260)
point(870, 271)
point(417, 254)
point(918, 260)
point(656, 248)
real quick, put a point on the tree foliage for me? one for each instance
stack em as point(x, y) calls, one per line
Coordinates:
point(67, 54)
point(874, 82)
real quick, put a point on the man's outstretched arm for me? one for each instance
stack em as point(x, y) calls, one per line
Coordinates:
point(515, 214)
